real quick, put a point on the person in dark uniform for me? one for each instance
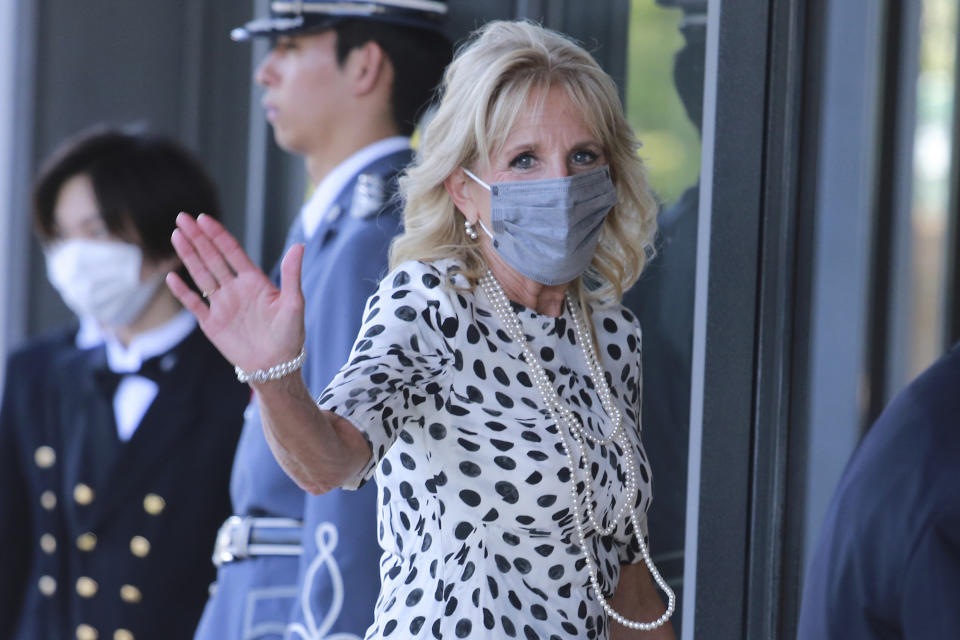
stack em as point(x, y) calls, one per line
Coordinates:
point(887, 563)
point(25, 454)
point(119, 455)
point(344, 85)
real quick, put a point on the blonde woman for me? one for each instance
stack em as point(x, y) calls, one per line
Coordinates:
point(494, 388)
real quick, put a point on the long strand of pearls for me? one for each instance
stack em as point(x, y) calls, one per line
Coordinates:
point(502, 306)
point(559, 410)
point(564, 417)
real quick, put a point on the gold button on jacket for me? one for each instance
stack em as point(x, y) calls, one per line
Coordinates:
point(139, 546)
point(48, 543)
point(48, 500)
point(47, 585)
point(154, 504)
point(45, 457)
point(130, 594)
point(87, 587)
point(83, 494)
point(86, 541)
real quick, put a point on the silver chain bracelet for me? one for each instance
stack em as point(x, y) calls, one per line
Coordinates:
point(275, 372)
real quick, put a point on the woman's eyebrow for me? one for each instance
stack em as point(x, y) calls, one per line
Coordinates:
point(520, 146)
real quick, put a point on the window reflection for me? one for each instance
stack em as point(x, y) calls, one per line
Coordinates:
point(664, 103)
point(668, 120)
point(931, 175)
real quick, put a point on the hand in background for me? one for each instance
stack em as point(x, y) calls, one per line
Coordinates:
point(252, 323)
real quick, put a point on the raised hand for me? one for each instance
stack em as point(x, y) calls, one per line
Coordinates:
point(252, 323)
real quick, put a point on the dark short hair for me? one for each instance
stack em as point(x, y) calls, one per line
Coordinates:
point(418, 56)
point(141, 182)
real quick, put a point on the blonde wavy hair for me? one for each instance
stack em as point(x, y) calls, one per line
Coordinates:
point(484, 89)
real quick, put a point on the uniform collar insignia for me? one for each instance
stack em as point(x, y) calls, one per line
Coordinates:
point(369, 196)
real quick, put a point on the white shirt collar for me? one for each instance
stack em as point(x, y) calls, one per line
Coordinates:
point(89, 334)
point(328, 191)
point(148, 344)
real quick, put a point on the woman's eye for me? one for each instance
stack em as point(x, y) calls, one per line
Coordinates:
point(522, 161)
point(584, 157)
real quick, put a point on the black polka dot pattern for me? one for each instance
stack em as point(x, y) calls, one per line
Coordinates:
point(476, 522)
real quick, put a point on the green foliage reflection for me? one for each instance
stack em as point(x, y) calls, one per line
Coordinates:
point(671, 142)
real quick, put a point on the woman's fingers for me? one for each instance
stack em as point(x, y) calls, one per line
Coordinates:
point(187, 297)
point(246, 307)
point(191, 260)
point(211, 257)
point(290, 291)
point(236, 258)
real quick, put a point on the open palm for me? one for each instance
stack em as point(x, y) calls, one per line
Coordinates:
point(252, 323)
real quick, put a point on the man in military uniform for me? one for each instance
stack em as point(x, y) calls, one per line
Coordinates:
point(344, 84)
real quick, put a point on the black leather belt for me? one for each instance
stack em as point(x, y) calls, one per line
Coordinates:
point(243, 537)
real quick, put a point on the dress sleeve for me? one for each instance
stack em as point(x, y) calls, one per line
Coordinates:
point(395, 371)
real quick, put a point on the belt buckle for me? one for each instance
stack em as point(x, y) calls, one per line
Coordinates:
point(232, 540)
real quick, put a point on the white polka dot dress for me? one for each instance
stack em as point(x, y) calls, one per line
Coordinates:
point(476, 518)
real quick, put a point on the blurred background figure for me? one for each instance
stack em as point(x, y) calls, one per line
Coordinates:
point(887, 564)
point(117, 433)
point(344, 85)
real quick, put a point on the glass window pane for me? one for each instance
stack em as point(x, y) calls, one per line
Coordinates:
point(931, 188)
point(664, 104)
point(668, 121)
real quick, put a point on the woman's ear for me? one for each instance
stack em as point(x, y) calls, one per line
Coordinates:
point(461, 191)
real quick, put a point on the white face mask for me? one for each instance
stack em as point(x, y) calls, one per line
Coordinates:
point(101, 279)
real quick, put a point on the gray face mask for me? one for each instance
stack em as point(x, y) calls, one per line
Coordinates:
point(548, 230)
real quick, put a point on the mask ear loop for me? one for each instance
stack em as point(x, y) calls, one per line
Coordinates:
point(485, 230)
point(485, 186)
point(476, 179)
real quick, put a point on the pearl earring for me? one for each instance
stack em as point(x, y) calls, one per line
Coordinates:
point(468, 227)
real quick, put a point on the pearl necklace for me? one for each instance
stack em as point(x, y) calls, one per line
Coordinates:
point(563, 417)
